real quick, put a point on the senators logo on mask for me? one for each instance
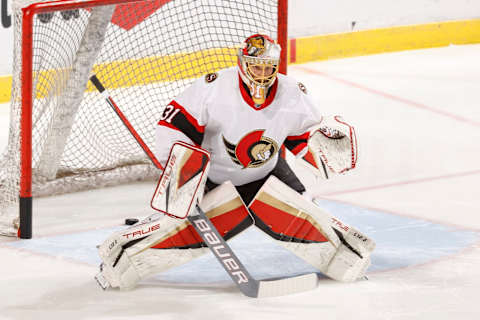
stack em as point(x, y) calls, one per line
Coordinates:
point(253, 150)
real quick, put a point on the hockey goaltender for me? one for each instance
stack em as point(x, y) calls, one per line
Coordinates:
point(236, 121)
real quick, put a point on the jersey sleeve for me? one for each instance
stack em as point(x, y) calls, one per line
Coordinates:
point(183, 119)
point(296, 142)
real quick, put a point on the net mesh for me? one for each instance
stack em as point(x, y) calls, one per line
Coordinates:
point(148, 53)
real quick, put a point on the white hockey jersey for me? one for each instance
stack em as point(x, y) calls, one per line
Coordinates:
point(217, 113)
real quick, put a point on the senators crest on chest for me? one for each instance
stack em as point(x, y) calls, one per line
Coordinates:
point(252, 150)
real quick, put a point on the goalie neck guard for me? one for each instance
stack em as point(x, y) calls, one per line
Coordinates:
point(258, 62)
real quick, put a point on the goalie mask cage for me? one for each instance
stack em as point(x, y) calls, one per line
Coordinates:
point(63, 136)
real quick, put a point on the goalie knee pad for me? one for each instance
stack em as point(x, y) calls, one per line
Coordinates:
point(337, 250)
point(159, 244)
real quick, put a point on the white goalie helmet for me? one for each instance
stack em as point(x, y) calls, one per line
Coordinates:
point(258, 62)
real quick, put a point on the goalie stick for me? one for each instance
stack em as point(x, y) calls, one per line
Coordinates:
point(96, 82)
point(248, 285)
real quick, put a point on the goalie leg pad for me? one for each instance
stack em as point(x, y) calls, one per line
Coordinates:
point(166, 243)
point(115, 264)
point(337, 250)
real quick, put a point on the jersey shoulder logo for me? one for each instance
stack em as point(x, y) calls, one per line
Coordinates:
point(211, 77)
point(253, 150)
point(302, 87)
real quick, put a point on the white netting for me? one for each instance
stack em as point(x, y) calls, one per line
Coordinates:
point(150, 51)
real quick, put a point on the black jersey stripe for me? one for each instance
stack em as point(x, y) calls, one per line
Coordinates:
point(181, 122)
point(292, 144)
point(184, 122)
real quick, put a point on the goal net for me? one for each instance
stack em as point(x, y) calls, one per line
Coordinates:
point(63, 136)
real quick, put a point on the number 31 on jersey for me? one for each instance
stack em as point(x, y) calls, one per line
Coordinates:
point(168, 113)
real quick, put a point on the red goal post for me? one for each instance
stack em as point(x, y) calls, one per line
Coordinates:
point(61, 138)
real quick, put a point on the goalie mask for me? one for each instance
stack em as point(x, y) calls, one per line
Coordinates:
point(258, 62)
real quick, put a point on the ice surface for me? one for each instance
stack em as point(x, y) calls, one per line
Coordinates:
point(415, 192)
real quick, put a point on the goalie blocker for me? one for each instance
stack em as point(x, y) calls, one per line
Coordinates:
point(158, 243)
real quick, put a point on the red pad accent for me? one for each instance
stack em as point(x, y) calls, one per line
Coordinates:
point(283, 222)
point(192, 167)
point(182, 238)
point(309, 158)
point(188, 236)
point(229, 220)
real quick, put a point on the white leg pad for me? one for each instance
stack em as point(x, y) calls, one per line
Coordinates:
point(123, 268)
point(119, 268)
point(126, 262)
point(346, 266)
point(345, 255)
point(123, 275)
point(112, 246)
